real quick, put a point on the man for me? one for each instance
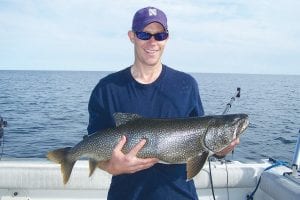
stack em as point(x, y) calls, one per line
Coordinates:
point(152, 90)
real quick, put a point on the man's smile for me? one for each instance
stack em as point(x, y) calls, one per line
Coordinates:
point(151, 51)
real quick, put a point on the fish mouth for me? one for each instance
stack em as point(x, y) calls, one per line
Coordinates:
point(242, 125)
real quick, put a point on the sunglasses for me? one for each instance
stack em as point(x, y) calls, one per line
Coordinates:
point(146, 36)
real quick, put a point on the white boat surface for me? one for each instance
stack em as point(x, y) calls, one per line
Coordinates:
point(40, 179)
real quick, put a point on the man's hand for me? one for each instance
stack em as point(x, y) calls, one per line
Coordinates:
point(121, 163)
point(229, 148)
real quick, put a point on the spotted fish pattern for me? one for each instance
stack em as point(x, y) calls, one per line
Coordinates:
point(181, 140)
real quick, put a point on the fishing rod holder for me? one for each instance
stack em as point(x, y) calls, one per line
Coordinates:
point(294, 175)
point(2, 125)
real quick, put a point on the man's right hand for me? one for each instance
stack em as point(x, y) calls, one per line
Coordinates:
point(121, 163)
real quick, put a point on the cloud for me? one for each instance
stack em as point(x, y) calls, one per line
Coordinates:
point(218, 35)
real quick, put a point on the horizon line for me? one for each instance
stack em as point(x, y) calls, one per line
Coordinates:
point(109, 71)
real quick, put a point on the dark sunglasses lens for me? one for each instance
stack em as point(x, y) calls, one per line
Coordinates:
point(161, 36)
point(146, 36)
point(143, 35)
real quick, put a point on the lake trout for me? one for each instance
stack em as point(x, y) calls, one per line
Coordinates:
point(173, 141)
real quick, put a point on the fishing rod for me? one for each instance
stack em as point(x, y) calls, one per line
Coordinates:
point(2, 125)
point(228, 106)
point(296, 157)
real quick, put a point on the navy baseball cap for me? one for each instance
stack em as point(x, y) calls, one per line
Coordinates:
point(148, 15)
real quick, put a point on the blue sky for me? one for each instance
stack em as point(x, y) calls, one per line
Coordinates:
point(256, 37)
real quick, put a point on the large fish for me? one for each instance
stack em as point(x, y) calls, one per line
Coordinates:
point(182, 140)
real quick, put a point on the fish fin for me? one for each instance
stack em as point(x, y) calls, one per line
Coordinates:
point(123, 118)
point(66, 169)
point(60, 156)
point(92, 164)
point(195, 164)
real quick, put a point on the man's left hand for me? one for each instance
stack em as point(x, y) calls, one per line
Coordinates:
point(229, 148)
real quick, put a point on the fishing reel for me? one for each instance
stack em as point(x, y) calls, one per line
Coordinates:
point(2, 125)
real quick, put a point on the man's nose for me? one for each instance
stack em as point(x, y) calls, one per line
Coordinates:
point(152, 39)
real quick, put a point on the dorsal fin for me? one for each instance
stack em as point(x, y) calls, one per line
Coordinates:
point(123, 118)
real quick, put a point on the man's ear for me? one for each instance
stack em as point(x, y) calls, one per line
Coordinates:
point(131, 36)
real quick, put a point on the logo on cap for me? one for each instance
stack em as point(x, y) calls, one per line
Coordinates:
point(152, 12)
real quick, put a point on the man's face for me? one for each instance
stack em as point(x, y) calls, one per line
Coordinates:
point(148, 52)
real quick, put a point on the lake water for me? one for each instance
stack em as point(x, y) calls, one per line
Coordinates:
point(48, 109)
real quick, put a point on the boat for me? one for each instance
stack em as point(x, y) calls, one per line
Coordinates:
point(40, 179)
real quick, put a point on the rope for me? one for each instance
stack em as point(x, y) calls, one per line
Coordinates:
point(211, 180)
point(276, 164)
point(227, 179)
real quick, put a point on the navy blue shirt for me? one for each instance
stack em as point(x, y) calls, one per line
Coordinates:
point(174, 94)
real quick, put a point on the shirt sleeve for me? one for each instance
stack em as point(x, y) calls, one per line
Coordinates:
point(198, 108)
point(99, 116)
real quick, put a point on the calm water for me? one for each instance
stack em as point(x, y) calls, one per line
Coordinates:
point(48, 110)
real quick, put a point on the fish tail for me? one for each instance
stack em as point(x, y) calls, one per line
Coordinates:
point(60, 156)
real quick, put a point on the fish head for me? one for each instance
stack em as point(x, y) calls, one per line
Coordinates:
point(223, 129)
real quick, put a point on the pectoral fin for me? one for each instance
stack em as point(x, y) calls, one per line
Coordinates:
point(195, 164)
